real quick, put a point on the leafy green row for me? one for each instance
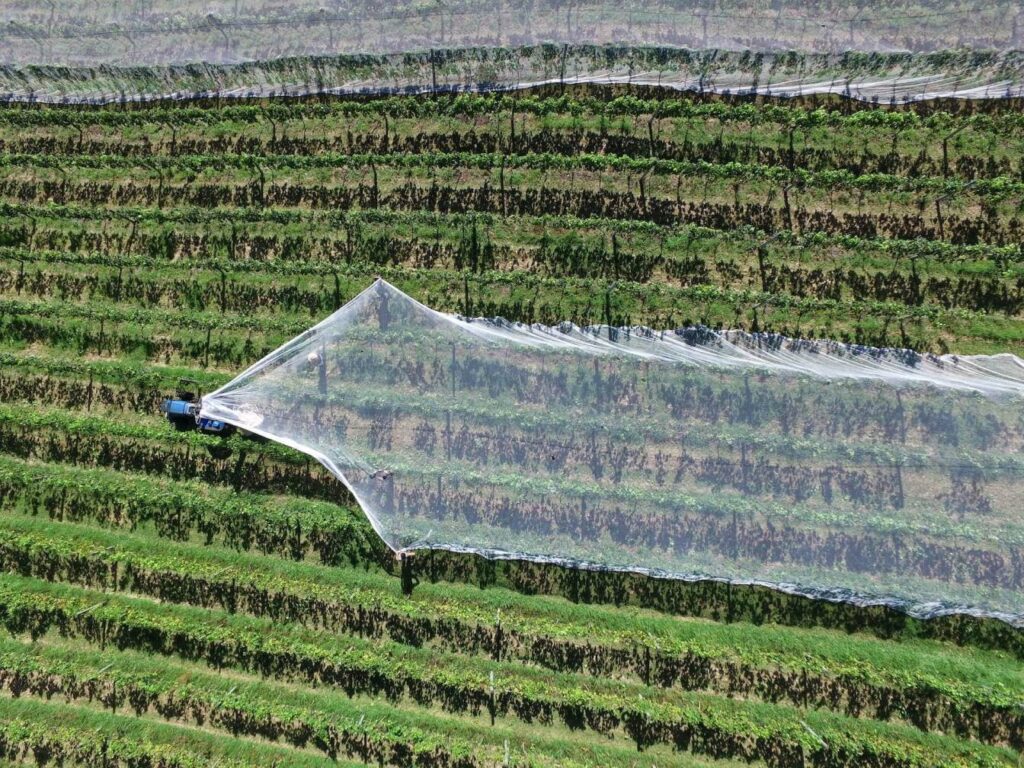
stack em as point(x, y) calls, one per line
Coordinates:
point(137, 684)
point(911, 151)
point(690, 256)
point(654, 294)
point(971, 277)
point(42, 733)
point(193, 294)
point(163, 318)
point(469, 105)
point(120, 373)
point(999, 187)
point(517, 295)
point(854, 676)
point(292, 527)
point(321, 719)
point(307, 222)
point(730, 205)
point(689, 721)
point(320, 286)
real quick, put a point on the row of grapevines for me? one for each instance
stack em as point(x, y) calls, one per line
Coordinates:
point(177, 575)
point(698, 723)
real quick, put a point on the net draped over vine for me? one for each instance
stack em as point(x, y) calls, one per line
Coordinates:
point(820, 468)
point(889, 52)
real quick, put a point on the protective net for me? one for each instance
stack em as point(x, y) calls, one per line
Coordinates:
point(903, 50)
point(834, 470)
point(141, 34)
point(885, 78)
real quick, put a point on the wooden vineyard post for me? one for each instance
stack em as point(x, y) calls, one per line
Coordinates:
point(498, 636)
point(490, 699)
point(409, 580)
point(322, 372)
point(447, 439)
point(945, 150)
point(453, 368)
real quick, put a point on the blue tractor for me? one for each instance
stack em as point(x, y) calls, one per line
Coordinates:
point(183, 412)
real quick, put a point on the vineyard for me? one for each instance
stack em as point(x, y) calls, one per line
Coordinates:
point(172, 598)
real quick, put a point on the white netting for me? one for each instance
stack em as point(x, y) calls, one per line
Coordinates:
point(84, 51)
point(814, 466)
point(140, 34)
point(883, 78)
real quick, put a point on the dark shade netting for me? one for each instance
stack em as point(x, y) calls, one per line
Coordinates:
point(821, 468)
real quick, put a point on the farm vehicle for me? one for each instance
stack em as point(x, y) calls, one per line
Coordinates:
point(183, 411)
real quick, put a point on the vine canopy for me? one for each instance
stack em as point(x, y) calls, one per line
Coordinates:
point(838, 471)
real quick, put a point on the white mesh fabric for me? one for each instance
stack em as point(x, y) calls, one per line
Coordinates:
point(868, 474)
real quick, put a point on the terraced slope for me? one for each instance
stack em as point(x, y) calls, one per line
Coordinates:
point(178, 599)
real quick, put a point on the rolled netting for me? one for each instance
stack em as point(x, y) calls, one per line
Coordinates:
point(833, 470)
